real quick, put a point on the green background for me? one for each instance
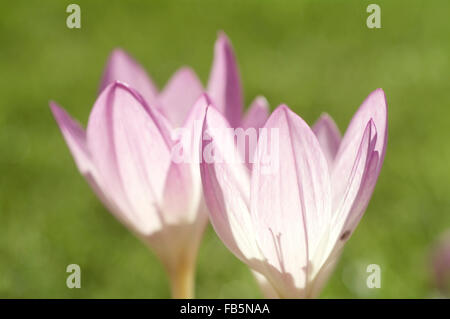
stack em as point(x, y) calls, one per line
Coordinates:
point(315, 56)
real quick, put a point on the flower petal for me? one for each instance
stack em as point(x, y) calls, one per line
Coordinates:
point(226, 187)
point(188, 141)
point(178, 202)
point(75, 137)
point(291, 204)
point(257, 114)
point(131, 154)
point(374, 107)
point(254, 120)
point(179, 95)
point(355, 180)
point(374, 111)
point(329, 137)
point(122, 67)
point(224, 85)
point(193, 127)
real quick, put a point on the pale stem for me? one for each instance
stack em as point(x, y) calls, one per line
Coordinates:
point(182, 280)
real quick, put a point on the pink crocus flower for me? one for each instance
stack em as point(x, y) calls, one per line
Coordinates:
point(125, 155)
point(289, 225)
point(126, 152)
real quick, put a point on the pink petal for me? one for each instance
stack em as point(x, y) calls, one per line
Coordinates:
point(254, 120)
point(191, 143)
point(350, 206)
point(224, 85)
point(75, 137)
point(193, 127)
point(329, 137)
point(355, 180)
point(290, 206)
point(178, 203)
point(226, 189)
point(365, 193)
point(257, 114)
point(374, 107)
point(179, 95)
point(373, 110)
point(122, 67)
point(131, 154)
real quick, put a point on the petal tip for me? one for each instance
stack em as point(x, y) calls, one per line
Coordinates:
point(282, 108)
point(118, 54)
point(379, 94)
point(262, 101)
point(325, 116)
point(223, 42)
point(53, 105)
point(58, 112)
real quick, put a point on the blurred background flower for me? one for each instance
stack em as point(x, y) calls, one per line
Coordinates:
point(441, 265)
point(312, 55)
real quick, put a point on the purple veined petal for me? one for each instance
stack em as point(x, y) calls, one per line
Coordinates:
point(373, 110)
point(224, 86)
point(343, 233)
point(374, 107)
point(75, 137)
point(329, 137)
point(355, 172)
point(179, 95)
point(130, 153)
point(290, 205)
point(226, 187)
point(365, 193)
point(122, 67)
point(355, 181)
point(257, 114)
point(161, 121)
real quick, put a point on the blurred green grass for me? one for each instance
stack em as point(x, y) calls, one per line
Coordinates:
point(313, 55)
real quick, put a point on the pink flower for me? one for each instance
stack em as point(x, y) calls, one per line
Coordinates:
point(126, 152)
point(125, 155)
point(290, 223)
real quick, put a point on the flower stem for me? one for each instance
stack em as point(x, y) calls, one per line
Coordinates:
point(182, 281)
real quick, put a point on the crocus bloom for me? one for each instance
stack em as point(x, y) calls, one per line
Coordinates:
point(125, 155)
point(289, 225)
